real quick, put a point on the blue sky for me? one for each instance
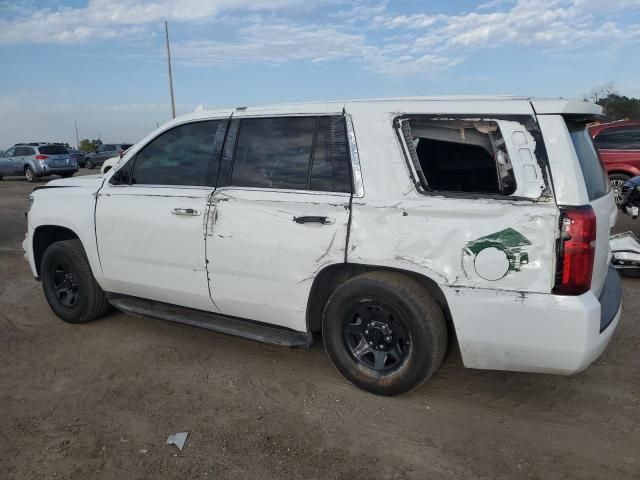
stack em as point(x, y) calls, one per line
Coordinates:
point(102, 62)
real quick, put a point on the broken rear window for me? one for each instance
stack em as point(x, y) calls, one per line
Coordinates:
point(459, 156)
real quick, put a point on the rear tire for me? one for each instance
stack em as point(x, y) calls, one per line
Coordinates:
point(67, 175)
point(90, 165)
point(69, 286)
point(29, 174)
point(384, 332)
point(617, 179)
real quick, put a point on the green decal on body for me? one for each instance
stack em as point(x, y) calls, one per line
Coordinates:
point(510, 241)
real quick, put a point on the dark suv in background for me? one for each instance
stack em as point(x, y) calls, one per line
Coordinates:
point(104, 152)
point(619, 147)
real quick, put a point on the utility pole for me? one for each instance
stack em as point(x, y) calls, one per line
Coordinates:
point(173, 104)
point(77, 139)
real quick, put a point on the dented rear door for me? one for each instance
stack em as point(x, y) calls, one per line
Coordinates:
point(274, 220)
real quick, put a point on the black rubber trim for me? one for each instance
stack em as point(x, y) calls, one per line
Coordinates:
point(610, 298)
point(212, 321)
point(54, 186)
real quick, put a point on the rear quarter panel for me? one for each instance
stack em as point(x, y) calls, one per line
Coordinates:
point(394, 225)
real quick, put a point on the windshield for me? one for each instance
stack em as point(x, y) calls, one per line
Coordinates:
point(53, 150)
point(595, 177)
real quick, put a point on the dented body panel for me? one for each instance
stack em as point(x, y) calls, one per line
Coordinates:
point(262, 260)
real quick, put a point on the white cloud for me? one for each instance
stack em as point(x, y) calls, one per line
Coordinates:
point(274, 44)
point(106, 19)
point(279, 31)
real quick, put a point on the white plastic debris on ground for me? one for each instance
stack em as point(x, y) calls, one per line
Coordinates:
point(626, 250)
point(178, 439)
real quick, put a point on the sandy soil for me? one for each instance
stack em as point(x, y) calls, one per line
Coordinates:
point(98, 401)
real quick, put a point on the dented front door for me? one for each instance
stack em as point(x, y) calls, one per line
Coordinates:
point(265, 247)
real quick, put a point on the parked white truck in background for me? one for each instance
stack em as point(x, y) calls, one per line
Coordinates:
point(392, 226)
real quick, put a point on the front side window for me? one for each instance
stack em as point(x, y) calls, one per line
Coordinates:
point(293, 153)
point(183, 155)
point(9, 153)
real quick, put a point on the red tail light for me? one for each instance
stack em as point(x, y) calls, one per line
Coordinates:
point(577, 250)
point(42, 158)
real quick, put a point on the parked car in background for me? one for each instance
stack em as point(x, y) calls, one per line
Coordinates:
point(619, 147)
point(104, 152)
point(350, 218)
point(78, 156)
point(34, 160)
point(109, 164)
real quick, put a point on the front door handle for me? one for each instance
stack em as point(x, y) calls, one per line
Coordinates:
point(314, 219)
point(190, 212)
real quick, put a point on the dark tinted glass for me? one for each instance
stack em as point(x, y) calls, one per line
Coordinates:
point(595, 178)
point(330, 167)
point(273, 153)
point(619, 139)
point(183, 155)
point(53, 150)
point(108, 148)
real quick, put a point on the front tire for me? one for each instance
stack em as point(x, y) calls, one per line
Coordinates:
point(384, 332)
point(617, 180)
point(69, 287)
point(29, 174)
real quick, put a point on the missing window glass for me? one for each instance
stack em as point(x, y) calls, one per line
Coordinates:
point(460, 156)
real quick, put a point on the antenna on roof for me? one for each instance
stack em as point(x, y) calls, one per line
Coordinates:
point(173, 103)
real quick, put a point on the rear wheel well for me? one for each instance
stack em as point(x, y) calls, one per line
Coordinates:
point(331, 277)
point(46, 235)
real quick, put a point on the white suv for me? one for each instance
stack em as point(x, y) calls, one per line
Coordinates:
point(392, 226)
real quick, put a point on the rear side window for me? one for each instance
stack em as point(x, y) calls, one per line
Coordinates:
point(53, 150)
point(459, 156)
point(622, 138)
point(184, 155)
point(595, 178)
point(273, 153)
point(293, 153)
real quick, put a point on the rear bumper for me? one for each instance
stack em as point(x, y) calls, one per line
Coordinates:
point(44, 171)
point(534, 332)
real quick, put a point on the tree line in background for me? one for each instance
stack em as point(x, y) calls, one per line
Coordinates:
point(616, 106)
point(89, 146)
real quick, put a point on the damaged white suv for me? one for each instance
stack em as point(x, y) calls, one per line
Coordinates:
point(392, 226)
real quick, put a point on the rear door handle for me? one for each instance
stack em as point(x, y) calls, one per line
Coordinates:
point(314, 219)
point(190, 212)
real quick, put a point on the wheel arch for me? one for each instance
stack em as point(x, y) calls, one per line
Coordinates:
point(46, 235)
point(332, 276)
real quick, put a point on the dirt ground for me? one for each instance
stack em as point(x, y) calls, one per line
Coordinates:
point(98, 401)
